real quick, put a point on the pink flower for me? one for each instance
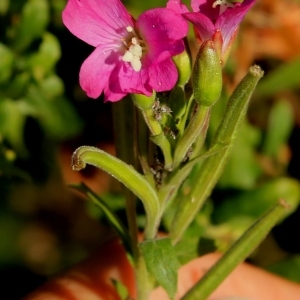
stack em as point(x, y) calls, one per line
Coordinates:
point(130, 56)
point(214, 20)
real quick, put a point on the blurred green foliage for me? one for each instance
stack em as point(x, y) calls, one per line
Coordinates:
point(29, 85)
point(35, 117)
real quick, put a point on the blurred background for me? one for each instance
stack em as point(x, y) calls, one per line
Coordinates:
point(46, 227)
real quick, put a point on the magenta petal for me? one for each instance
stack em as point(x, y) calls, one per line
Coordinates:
point(114, 91)
point(161, 51)
point(134, 82)
point(177, 6)
point(96, 21)
point(229, 21)
point(202, 23)
point(163, 76)
point(205, 7)
point(113, 97)
point(161, 25)
point(95, 70)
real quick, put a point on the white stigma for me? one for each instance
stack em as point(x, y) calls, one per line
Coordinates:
point(129, 29)
point(134, 52)
point(224, 4)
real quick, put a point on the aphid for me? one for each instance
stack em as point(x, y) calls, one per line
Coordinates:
point(165, 109)
point(157, 171)
point(160, 110)
point(188, 154)
point(170, 132)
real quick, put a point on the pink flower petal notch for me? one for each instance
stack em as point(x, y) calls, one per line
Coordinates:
point(130, 56)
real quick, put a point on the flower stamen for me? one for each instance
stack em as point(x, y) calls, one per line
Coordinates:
point(134, 50)
point(224, 4)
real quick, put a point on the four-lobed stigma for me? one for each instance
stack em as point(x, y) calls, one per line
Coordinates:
point(224, 4)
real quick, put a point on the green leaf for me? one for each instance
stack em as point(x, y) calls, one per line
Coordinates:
point(187, 249)
point(191, 133)
point(126, 174)
point(52, 86)
point(285, 77)
point(288, 267)
point(162, 263)
point(280, 125)
point(121, 289)
point(243, 169)
point(4, 4)
point(109, 214)
point(17, 86)
point(56, 115)
point(6, 63)
point(176, 178)
point(34, 19)
point(12, 122)
point(256, 201)
point(177, 103)
point(42, 62)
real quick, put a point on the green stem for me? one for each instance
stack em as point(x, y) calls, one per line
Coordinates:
point(198, 145)
point(157, 133)
point(143, 144)
point(190, 134)
point(236, 254)
point(132, 140)
point(158, 137)
point(144, 286)
point(163, 143)
point(124, 134)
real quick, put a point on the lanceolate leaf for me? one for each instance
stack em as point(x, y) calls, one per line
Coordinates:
point(110, 216)
point(174, 182)
point(162, 263)
point(126, 174)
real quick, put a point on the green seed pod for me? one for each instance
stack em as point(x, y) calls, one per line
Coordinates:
point(207, 75)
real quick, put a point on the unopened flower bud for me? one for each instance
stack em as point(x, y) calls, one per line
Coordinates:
point(143, 102)
point(207, 75)
point(183, 64)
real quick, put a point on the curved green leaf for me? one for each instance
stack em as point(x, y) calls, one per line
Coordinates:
point(126, 174)
point(110, 216)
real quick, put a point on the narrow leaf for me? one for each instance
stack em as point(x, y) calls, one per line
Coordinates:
point(176, 178)
point(121, 289)
point(162, 263)
point(285, 77)
point(280, 125)
point(109, 214)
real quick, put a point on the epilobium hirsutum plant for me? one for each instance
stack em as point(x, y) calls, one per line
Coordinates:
point(146, 59)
